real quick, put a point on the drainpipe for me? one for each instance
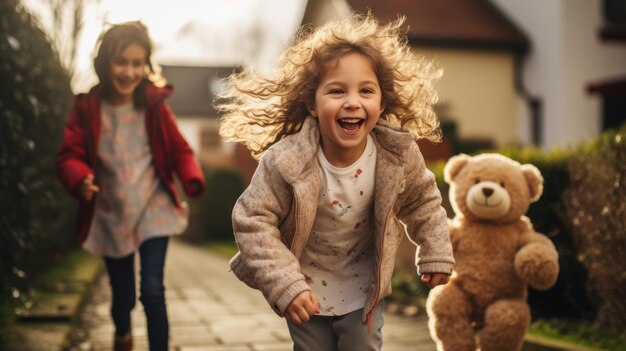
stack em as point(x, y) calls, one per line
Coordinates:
point(534, 103)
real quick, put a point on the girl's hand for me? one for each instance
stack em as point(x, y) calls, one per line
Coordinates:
point(195, 189)
point(302, 308)
point(89, 188)
point(434, 279)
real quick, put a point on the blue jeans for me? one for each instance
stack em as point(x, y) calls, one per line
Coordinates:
point(122, 278)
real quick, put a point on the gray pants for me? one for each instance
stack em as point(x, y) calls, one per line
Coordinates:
point(339, 333)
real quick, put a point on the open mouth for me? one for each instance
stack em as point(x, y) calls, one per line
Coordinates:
point(125, 83)
point(350, 125)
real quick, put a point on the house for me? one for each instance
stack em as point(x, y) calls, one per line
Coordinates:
point(575, 51)
point(480, 51)
point(515, 72)
point(195, 89)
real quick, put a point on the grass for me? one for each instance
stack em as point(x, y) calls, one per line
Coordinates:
point(75, 270)
point(7, 334)
point(77, 265)
point(63, 281)
point(580, 333)
point(226, 249)
point(408, 289)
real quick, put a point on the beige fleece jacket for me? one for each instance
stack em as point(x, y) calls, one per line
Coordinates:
point(273, 217)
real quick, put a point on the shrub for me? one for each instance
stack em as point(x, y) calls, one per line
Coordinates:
point(581, 333)
point(596, 210)
point(34, 101)
point(211, 216)
point(567, 298)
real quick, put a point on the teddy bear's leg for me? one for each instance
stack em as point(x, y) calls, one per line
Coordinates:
point(449, 319)
point(506, 322)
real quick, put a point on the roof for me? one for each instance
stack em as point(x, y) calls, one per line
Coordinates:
point(451, 23)
point(195, 88)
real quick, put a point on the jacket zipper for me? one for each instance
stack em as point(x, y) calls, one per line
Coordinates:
point(295, 210)
point(295, 221)
point(369, 314)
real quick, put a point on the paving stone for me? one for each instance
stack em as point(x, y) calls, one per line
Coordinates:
point(49, 336)
point(277, 346)
point(194, 339)
point(186, 329)
point(210, 310)
point(240, 336)
point(196, 294)
point(411, 347)
point(216, 348)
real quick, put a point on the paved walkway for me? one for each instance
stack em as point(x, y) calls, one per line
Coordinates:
point(210, 310)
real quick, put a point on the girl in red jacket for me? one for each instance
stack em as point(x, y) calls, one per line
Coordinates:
point(120, 150)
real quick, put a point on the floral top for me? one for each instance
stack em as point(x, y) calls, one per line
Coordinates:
point(132, 205)
point(338, 258)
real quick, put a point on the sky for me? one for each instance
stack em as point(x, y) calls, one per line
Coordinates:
point(191, 32)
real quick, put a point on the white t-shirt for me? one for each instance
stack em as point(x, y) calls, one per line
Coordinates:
point(338, 259)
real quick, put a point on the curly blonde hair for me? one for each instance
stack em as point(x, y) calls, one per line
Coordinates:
point(259, 110)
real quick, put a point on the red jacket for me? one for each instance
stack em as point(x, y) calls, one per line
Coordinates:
point(170, 151)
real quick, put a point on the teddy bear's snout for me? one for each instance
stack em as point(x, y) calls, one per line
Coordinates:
point(488, 200)
point(487, 191)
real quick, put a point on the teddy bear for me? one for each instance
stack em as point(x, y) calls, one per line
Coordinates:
point(497, 253)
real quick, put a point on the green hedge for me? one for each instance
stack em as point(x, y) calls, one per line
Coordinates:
point(595, 207)
point(568, 298)
point(35, 97)
point(210, 216)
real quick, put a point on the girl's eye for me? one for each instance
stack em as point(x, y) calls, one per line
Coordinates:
point(335, 91)
point(367, 91)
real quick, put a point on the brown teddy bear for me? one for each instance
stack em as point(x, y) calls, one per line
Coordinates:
point(497, 254)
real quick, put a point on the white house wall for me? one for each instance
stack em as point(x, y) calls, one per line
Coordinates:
point(566, 56)
point(477, 91)
point(588, 59)
point(325, 10)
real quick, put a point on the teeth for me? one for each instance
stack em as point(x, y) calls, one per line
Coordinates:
point(350, 120)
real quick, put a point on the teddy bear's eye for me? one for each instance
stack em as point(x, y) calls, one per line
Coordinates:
point(476, 180)
point(502, 184)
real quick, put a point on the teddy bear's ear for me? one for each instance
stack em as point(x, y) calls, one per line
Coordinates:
point(453, 166)
point(534, 180)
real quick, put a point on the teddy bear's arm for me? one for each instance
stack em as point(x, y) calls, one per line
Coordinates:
point(537, 261)
point(528, 236)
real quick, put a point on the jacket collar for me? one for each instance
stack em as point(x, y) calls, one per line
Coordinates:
point(155, 95)
point(296, 153)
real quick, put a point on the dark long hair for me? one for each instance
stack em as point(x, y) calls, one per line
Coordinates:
point(110, 44)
